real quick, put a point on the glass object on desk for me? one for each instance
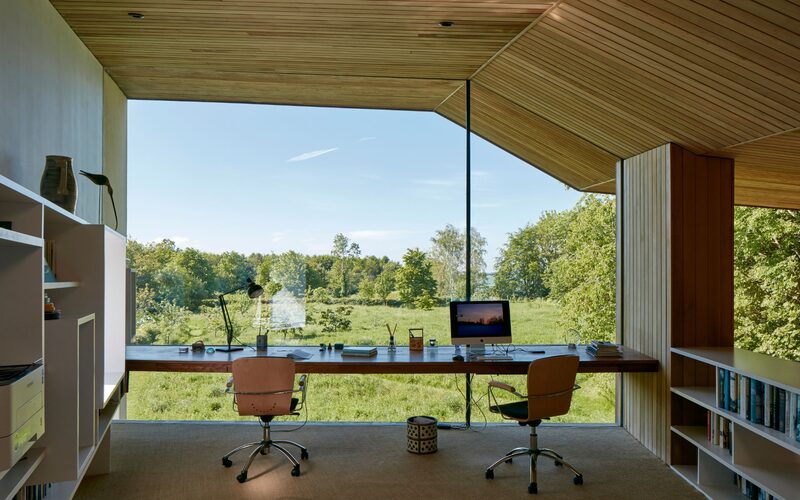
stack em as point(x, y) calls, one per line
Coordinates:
point(572, 337)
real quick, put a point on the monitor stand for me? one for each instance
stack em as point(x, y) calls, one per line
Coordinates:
point(476, 350)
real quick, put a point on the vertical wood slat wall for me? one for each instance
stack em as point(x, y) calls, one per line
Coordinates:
point(675, 281)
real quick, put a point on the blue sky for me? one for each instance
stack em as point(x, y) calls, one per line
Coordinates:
point(257, 178)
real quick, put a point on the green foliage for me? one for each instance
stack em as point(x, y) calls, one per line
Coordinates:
point(583, 277)
point(321, 295)
point(289, 271)
point(527, 255)
point(767, 281)
point(232, 270)
point(448, 258)
point(336, 319)
point(340, 277)
point(415, 277)
point(384, 284)
point(425, 302)
point(366, 289)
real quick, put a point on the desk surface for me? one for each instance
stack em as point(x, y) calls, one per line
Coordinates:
point(436, 360)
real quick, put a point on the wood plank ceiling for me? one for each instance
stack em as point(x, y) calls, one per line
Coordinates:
point(570, 91)
point(350, 53)
point(629, 75)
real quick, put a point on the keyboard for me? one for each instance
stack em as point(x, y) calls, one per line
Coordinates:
point(492, 357)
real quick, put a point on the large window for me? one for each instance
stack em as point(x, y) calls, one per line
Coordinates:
point(351, 220)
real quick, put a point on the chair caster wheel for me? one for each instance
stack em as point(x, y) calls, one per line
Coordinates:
point(242, 477)
point(296, 470)
point(303, 454)
point(489, 474)
point(532, 489)
point(578, 479)
point(226, 462)
point(559, 464)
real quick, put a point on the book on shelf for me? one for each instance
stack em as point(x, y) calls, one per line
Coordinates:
point(756, 402)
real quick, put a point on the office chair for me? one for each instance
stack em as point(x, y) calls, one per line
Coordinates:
point(262, 386)
point(551, 382)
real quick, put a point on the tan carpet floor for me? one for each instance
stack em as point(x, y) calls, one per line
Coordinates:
point(153, 460)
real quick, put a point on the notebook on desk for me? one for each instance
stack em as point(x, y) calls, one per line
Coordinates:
point(491, 357)
point(365, 352)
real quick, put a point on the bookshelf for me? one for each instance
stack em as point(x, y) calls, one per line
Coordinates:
point(765, 456)
point(83, 352)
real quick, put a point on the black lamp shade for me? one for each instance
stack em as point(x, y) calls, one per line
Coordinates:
point(254, 290)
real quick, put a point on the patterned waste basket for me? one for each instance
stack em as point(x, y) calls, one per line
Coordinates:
point(421, 435)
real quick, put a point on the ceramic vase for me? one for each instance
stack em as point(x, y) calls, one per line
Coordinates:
point(58, 182)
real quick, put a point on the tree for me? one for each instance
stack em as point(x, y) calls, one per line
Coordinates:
point(289, 271)
point(340, 277)
point(384, 284)
point(232, 269)
point(766, 283)
point(521, 265)
point(583, 277)
point(415, 277)
point(198, 277)
point(448, 257)
point(366, 289)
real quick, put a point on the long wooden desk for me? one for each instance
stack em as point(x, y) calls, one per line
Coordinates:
point(431, 360)
point(436, 360)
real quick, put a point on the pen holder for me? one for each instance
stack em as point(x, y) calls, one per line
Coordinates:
point(415, 343)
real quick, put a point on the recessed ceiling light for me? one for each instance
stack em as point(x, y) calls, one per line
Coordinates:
point(445, 24)
point(136, 15)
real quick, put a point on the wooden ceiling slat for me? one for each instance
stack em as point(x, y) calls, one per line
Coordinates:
point(633, 58)
point(547, 146)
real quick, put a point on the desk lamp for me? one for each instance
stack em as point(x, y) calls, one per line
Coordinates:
point(101, 180)
point(253, 291)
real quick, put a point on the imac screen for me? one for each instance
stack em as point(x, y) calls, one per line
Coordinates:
point(480, 319)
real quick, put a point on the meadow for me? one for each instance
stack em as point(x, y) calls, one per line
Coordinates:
point(379, 398)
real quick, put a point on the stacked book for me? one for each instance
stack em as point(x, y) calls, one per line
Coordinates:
point(601, 349)
point(365, 352)
point(759, 403)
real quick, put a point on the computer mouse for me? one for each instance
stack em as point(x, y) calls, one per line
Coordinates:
point(458, 357)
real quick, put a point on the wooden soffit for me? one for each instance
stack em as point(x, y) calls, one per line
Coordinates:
point(349, 53)
point(629, 75)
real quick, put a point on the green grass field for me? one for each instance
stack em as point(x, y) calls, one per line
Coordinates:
point(379, 398)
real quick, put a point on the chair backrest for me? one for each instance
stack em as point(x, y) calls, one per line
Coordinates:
point(263, 374)
point(547, 376)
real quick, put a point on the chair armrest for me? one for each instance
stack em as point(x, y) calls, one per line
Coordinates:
point(505, 387)
point(229, 385)
point(302, 387)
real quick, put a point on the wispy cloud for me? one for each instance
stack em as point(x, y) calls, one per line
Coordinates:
point(277, 236)
point(439, 182)
point(370, 138)
point(311, 154)
point(377, 234)
point(480, 173)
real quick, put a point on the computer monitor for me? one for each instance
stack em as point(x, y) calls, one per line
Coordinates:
point(479, 323)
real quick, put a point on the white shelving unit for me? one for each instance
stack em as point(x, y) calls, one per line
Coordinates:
point(764, 456)
point(83, 352)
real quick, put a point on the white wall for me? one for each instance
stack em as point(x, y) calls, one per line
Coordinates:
point(51, 102)
point(115, 152)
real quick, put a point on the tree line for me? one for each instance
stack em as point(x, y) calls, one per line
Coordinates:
point(567, 256)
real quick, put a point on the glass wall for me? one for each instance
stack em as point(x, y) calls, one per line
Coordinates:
point(353, 223)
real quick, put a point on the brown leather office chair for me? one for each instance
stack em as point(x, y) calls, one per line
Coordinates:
point(551, 382)
point(263, 386)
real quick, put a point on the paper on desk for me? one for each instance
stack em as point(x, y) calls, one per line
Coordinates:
point(299, 354)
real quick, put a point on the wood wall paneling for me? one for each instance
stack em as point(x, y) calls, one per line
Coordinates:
point(51, 99)
point(676, 280)
point(115, 152)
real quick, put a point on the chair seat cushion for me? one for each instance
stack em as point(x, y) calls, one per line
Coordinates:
point(518, 411)
point(292, 406)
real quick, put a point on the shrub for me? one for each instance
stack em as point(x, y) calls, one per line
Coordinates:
point(336, 320)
